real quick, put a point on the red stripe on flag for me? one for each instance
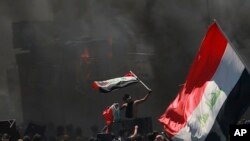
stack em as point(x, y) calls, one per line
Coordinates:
point(202, 70)
point(95, 85)
point(108, 115)
point(130, 74)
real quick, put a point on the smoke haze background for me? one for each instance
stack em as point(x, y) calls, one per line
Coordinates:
point(52, 50)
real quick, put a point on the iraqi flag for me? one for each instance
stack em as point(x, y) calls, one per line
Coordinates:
point(112, 113)
point(115, 83)
point(216, 93)
point(108, 115)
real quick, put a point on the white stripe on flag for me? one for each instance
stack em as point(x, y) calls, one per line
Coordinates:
point(229, 70)
point(117, 80)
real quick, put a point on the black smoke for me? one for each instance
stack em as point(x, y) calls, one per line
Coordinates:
point(66, 45)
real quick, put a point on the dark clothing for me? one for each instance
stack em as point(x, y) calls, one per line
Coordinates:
point(129, 110)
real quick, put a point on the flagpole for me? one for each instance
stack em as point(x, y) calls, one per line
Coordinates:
point(232, 45)
point(141, 82)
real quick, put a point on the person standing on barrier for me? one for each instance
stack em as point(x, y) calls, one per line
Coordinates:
point(129, 104)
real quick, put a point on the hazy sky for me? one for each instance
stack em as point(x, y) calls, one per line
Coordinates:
point(68, 44)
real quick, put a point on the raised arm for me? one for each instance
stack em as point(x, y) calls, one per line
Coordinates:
point(135, 132)
point(144, 98)
point(123, 106)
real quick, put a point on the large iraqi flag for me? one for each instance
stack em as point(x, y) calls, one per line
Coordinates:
point(216, 93)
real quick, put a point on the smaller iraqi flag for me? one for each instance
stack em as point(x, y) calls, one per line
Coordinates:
point(115, 83)
point(112, 113)
point(108, 115)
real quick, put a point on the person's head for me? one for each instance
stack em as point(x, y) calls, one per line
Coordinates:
point(138, 138)
point(26, 138)
point(127, 98)
point(5, 137)
point(159, 138)
point(151, 136)
point(113, 136)
point(78, 131)
point(37, 137)
point(92, 139)
point(65, 137)
point(116, 105)
point(60, 131)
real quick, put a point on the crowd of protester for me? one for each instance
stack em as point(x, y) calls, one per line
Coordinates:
point(134, 135)
point(112, 115)
point(133, 132)
point(68, 133)
point(37, 132)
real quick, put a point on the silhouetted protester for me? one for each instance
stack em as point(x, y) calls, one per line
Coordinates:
point(135, 136)
point(247, 121)
point(37, 137)
point(243, 121)
point(93, 139)
point(34, 128)
point(59, 133)
point(130, 104)
point(94, 129)
point(5, 137)
point(111, 114)
point(66, 137)
point(116, 112)
point(21, 129)
point(151, 136)
point(78, 134)
point(125, 136)
point(50, 132)
point(9, 131)
point(26, 138)
point(69, 132)
point(160, 137)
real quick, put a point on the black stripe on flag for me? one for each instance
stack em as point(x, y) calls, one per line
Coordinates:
point(233, 108)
